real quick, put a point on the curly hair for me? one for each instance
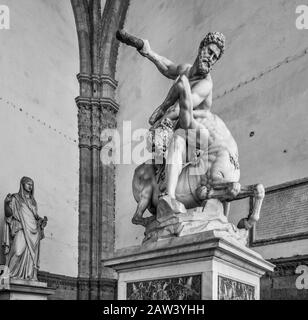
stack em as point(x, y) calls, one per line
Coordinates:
point(217, 38)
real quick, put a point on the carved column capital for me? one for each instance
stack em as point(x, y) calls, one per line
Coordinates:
point(84, 121)
point(107, 79)
point(84, 77)
point(83, 102)
point(108, 87)
point(96, 125)
point(89, 115)
point(109, 105)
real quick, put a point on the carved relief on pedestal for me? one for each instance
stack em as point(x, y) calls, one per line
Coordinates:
point(229, 289)
point(181, 288)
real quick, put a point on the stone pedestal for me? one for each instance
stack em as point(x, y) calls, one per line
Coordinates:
point(25, 290)
point(168, 224)
point(205, 266)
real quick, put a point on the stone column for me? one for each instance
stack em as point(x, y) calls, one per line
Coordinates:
point(97, 184)
point(97, 109)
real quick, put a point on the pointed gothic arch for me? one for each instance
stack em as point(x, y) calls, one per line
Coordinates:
point(97, 109)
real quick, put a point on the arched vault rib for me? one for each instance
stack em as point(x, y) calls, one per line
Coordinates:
point(98, 47)
point(80, 8)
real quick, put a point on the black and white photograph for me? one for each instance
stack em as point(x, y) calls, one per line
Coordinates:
point(153, 150)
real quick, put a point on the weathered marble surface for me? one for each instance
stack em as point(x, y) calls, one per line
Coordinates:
point(25, 290)
point(229, 289)
point(211, 217)
point(180, 288)
point(23, 231)
point(200, 156)
point(209, 253)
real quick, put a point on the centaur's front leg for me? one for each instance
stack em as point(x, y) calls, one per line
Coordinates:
point(144, 202)
point(258, 193)
point(231, 191)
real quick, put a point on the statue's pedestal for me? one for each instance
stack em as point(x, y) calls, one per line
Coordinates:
point(205, 266)
point(173, 220)
point(25, 290)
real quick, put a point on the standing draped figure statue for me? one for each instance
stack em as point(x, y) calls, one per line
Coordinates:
point(23, 231)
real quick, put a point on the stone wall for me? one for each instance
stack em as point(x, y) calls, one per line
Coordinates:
point(282, 231)
point(283, 214)
point(38, 120)
point(66, 288)
point(281, 284)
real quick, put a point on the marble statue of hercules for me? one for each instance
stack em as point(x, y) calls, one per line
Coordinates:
point(189, 101)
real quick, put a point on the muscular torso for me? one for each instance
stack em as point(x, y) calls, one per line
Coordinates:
point(213, 136)
point(216, 133)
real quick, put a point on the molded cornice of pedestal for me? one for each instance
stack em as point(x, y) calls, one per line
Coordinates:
point(201, 246)
point(25, 290)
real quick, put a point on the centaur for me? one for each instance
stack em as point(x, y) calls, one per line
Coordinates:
point(200, 156)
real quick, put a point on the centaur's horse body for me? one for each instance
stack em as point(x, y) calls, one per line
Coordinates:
point(197, 183)
point(148, 184)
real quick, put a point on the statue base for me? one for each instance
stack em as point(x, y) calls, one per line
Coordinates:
point(207, 266)
point(177, 222)
point(25, 290)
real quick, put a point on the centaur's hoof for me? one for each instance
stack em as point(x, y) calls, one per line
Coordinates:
point(168, 206)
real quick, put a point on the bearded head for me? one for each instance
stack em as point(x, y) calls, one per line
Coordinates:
point(211, 49)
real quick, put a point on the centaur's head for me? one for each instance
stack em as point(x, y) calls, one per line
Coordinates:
point(211, 49)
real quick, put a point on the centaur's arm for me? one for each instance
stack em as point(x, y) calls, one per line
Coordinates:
point(164, 65)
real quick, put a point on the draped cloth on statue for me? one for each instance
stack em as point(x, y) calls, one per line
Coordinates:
point(22, 237)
